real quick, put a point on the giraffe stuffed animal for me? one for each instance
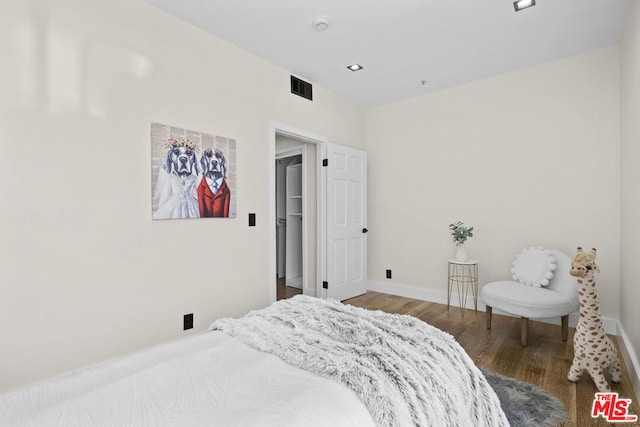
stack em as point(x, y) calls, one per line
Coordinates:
point(592, 348)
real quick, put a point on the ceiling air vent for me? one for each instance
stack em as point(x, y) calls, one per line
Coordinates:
point(301, 88)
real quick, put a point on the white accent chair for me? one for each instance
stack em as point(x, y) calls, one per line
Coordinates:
point(550, 295)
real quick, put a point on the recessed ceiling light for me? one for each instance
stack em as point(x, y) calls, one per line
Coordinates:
point(523, 4)
point(320, 23)
point(355, 67)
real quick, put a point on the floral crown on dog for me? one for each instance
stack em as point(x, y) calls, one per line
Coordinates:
point(180, 142)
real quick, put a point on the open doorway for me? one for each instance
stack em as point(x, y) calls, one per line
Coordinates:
point(296, 236)
point(290, 198)
point(334, 241)
point(300, 154)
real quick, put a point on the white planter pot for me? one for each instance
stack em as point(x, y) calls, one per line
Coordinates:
point(461, 253)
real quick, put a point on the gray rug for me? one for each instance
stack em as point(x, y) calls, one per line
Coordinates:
point(525, 404)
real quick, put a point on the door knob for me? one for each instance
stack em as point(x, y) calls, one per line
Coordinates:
point(364, 230)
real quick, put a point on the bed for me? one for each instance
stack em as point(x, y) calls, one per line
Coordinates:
point(302, 361)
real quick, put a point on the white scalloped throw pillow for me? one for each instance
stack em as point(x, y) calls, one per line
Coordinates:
point(534, 266)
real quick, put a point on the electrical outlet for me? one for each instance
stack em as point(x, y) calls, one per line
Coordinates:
point(188, 321)
point(388, 274)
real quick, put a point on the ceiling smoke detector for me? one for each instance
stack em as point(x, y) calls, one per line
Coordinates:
point(320, 23)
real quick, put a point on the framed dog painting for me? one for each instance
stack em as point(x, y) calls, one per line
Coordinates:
point(193, 174)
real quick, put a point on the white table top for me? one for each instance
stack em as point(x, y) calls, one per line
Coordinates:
point(467, 262)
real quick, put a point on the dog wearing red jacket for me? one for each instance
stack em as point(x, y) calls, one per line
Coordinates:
point(214, 195)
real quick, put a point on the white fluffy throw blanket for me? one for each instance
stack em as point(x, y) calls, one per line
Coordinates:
point(405, 371)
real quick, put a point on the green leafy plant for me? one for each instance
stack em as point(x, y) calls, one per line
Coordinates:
point(460, 232)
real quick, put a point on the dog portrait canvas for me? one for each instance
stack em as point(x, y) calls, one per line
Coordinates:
point(193, 174)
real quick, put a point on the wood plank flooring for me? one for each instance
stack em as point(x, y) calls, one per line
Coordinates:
point(283, 291)
point(544, 362)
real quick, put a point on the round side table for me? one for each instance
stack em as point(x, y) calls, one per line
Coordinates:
point(463, 275)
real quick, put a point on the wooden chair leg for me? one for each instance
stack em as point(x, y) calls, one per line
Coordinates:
point(488, 316)
point(524, 331)
point(565, 327)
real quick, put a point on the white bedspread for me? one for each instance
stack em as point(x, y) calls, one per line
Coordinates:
point(204, 380)
point(408, 373)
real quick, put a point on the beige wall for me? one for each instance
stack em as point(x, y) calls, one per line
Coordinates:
point(86, 274)
point(630, 147)
point(528, 158)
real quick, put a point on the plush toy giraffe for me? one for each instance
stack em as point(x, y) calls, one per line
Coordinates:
point(592, 348)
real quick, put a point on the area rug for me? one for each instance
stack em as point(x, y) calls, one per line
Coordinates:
point(525, 404)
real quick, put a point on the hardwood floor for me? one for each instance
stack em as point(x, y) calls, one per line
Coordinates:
point(544, 362)
point(283, 291)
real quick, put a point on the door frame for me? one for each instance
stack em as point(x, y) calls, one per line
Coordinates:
point(320, 144)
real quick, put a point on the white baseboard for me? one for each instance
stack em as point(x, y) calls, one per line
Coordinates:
point(630, 359)
point(406, 291)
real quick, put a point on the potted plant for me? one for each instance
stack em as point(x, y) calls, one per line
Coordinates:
point(460, 233)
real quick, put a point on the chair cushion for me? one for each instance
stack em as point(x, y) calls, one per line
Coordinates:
point(534, 266)
point(527, 301)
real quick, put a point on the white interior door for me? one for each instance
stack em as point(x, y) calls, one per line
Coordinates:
point(346, 195)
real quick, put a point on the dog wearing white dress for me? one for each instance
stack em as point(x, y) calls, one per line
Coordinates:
point(178, 181)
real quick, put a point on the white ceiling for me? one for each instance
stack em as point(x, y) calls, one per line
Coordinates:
point(401, 43)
